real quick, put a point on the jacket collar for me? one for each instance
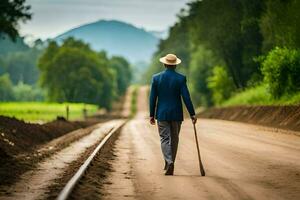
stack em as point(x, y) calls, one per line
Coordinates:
point(170, 70)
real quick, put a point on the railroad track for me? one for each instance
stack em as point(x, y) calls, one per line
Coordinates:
point(102, 147)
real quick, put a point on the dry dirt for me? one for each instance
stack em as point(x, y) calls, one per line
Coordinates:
point(242, 161)
point(34, 184)
point(22, 144)
point(284, 117)
point(31, 166)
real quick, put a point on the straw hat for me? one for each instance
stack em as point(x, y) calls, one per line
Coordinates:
point(170, 59)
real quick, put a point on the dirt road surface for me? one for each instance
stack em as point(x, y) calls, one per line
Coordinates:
point(242, 162)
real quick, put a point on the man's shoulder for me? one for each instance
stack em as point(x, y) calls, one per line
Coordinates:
point(157, 75)
point(177, 74)
point(180, 76)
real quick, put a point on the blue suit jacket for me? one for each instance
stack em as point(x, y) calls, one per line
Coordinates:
point(167, 88)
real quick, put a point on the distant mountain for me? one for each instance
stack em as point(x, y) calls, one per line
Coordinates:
point(8, 46)
point(117, 38)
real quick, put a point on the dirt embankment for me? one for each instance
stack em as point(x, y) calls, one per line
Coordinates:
point(19, 140)
point(17, 136)
point(285, 117)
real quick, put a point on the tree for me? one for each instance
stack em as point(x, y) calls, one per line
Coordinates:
point(12, 11)
point(281, 69)
point(2, 66)
point(234, 34)
point(73, 72)
point(6, 88)
point(280, 24)
point(177, 41)
point(230, 28)
point(22, 66)
point(220, 84)
point(202, 63)
point(123, 73)
point(24, 92)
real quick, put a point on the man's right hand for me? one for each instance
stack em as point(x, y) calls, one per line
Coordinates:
point(194, 119)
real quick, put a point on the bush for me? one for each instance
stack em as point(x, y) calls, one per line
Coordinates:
point(257, 95)
point(24, 92)
point(220, 84)
point(281, 70)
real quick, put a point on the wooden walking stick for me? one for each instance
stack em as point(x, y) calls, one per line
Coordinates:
point(198, 150)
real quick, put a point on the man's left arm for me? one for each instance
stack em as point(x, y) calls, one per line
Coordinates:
point(152, 99)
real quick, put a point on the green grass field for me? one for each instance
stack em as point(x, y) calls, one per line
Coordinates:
point(42, 111)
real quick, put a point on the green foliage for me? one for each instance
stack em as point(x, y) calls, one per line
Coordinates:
point(260, 95)
point(22, 66)
point(6, 88)
point(220, 84)
point(12, 11)
point(19, 60)
point(153, 68)
point(201, 66)
point(215, 32)
point(232, 34)
point(178, 41)
point(280, 24)
point(24, 92)
point(123, 73)
point(75, 73)
point(257, 95)
point(281, 70)
point(231, 30)
point(2, 66)
point(139, 69)
point(38, 111)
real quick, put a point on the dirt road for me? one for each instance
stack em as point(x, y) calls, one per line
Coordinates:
point(242, 162)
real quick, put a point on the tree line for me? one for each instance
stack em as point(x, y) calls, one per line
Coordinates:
point(67, 72)
point(229, 46)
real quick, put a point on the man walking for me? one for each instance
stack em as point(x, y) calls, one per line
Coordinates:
point(167, 88)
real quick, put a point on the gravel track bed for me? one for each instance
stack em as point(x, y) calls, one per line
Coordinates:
point(91, 184)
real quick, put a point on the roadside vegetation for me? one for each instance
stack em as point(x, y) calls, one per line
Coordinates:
point(260, 95)
point(44, 112)
point(48, 71)
point(237, 52)
point(133, 104)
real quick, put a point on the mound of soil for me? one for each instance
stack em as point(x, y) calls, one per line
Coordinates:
point(19, 139)
point(18, 136)
point(285, 117)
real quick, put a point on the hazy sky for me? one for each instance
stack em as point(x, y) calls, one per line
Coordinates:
point(52, 17)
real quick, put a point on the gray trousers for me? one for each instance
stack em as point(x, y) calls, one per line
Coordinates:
point(169, 137)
